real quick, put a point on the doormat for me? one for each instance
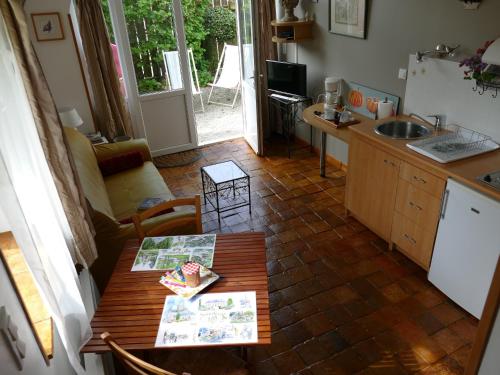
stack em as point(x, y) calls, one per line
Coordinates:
point(178, 159)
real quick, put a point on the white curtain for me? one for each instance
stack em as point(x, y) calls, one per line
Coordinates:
point(32, 206)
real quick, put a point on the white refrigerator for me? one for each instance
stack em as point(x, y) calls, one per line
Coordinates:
point(467, 247)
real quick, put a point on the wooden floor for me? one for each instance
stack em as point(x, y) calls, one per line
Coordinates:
point(340, 302)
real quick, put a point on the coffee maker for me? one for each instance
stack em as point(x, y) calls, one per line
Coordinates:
point(333, 94)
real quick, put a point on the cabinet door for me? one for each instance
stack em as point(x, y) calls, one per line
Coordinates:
point(372, 179)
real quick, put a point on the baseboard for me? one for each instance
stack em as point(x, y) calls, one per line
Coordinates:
point(330, 159)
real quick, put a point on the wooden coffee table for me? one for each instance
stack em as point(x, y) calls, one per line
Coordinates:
point(132, 304)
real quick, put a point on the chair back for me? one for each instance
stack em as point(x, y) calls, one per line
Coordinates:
point(164, 227)
point(173, 71)
point(228, 74)
point(133, 364)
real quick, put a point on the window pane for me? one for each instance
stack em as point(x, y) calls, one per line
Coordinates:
point(153, 42)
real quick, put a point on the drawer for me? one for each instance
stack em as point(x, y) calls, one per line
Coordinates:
point(417, 205)
point(423, 180)
point(414, 241)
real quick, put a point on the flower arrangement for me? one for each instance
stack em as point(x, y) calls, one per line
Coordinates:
point(475, 67)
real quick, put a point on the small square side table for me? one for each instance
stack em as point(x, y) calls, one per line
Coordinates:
point(226, 187)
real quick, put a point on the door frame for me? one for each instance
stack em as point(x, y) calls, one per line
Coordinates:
point(133, 97)
point(259, 81)
point(258, 76)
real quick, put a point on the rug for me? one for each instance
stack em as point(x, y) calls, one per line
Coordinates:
point(178, 159)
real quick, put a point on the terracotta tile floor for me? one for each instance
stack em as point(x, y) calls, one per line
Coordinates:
point(340, 302)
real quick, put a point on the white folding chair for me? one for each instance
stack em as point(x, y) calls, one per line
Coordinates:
point(173, 73)
point(228, 74)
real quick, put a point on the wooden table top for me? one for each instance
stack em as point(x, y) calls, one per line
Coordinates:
point(327, 127)
point(132, 304)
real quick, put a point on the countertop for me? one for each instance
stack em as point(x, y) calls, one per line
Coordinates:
point(465, 171)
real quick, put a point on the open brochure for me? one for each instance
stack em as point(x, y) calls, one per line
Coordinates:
point(164, 253)
point(209, 319)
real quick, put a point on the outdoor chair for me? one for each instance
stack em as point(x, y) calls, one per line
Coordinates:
point(228, 74)
point(164, 228)
point(174, 77)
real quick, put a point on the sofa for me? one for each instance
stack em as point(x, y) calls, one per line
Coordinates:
point(114, 199)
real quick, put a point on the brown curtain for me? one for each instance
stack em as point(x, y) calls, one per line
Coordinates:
point(50, 131)
point(110, 110)
point(267, 51)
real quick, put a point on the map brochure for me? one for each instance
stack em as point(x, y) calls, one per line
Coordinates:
point(164, 253)
point(208, 319)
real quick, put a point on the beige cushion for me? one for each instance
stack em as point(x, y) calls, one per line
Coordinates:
point(127, 190)
point(88, 171)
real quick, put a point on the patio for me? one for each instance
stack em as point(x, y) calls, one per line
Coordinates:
point(218, 123)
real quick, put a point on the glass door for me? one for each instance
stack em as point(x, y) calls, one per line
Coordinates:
point(249, 84)
point(152, 47)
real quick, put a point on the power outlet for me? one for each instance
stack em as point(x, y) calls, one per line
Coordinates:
point(403, 74)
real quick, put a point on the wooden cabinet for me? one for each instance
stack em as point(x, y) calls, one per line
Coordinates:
point(291, 32)
point(395, 199)
point(371, 186)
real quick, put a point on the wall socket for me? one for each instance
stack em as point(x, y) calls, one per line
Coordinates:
point(403, 73)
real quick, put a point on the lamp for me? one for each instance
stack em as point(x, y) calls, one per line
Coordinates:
point(70, 118)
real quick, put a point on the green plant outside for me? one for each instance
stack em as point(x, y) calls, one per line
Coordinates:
point(151, 30)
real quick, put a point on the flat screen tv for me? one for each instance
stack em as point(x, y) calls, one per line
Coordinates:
point(287, 77)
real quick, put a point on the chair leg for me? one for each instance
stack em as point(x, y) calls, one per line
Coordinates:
point(210, 94)
point(202, 105)
point(236, 96)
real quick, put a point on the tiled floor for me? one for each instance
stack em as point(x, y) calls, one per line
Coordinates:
point(340, 302)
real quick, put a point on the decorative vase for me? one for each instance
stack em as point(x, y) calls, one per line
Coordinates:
point(289, 6)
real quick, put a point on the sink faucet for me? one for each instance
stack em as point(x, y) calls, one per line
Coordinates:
point(438, 123)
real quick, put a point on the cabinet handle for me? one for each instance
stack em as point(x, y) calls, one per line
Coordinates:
point(419, 179)
point(415, 206)
point(389, 162)
point(410, 239)
point(444, 203)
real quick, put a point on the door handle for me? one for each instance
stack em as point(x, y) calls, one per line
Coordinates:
point(410, 239)
point(444, 203)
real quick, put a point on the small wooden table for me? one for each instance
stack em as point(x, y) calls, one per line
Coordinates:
point(327, 128)
point(132, 304)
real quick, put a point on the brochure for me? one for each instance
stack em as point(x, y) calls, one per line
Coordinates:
point(163, 253)
point(209, 319)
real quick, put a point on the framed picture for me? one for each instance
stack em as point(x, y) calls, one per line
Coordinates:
point(348, 17)
point(48, 26)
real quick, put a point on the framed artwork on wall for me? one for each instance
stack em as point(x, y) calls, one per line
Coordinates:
point(47, 26)
point(348, 17)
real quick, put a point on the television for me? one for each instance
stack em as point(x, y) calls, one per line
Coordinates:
point(287, 77)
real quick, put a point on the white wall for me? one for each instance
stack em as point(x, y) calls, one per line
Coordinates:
point(395, 29)
point(491, 360)
point(34, 362)
point(59, 62)
point(4, 224)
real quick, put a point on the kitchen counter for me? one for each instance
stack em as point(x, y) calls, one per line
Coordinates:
point(465, 171)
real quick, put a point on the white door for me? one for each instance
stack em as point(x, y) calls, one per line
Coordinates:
point(249, 83)
point(158, 87)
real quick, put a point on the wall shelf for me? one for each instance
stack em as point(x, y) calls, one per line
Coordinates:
point(291, 32)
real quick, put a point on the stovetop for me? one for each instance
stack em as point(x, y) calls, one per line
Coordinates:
point(491, 179)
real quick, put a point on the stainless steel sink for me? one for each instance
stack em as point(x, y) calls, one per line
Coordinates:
point(402, 130)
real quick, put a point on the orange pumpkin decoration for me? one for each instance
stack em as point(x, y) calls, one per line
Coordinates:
point(356, 98)
point(372, 104)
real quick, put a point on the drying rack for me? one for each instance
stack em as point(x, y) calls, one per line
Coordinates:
point(455, 143)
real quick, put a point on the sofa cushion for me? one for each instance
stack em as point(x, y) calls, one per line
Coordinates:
point(88, 171)
point(120, 163)
point(127, 190)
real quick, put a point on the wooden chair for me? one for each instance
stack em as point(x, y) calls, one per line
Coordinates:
point(133, 364)
point(168, 225)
